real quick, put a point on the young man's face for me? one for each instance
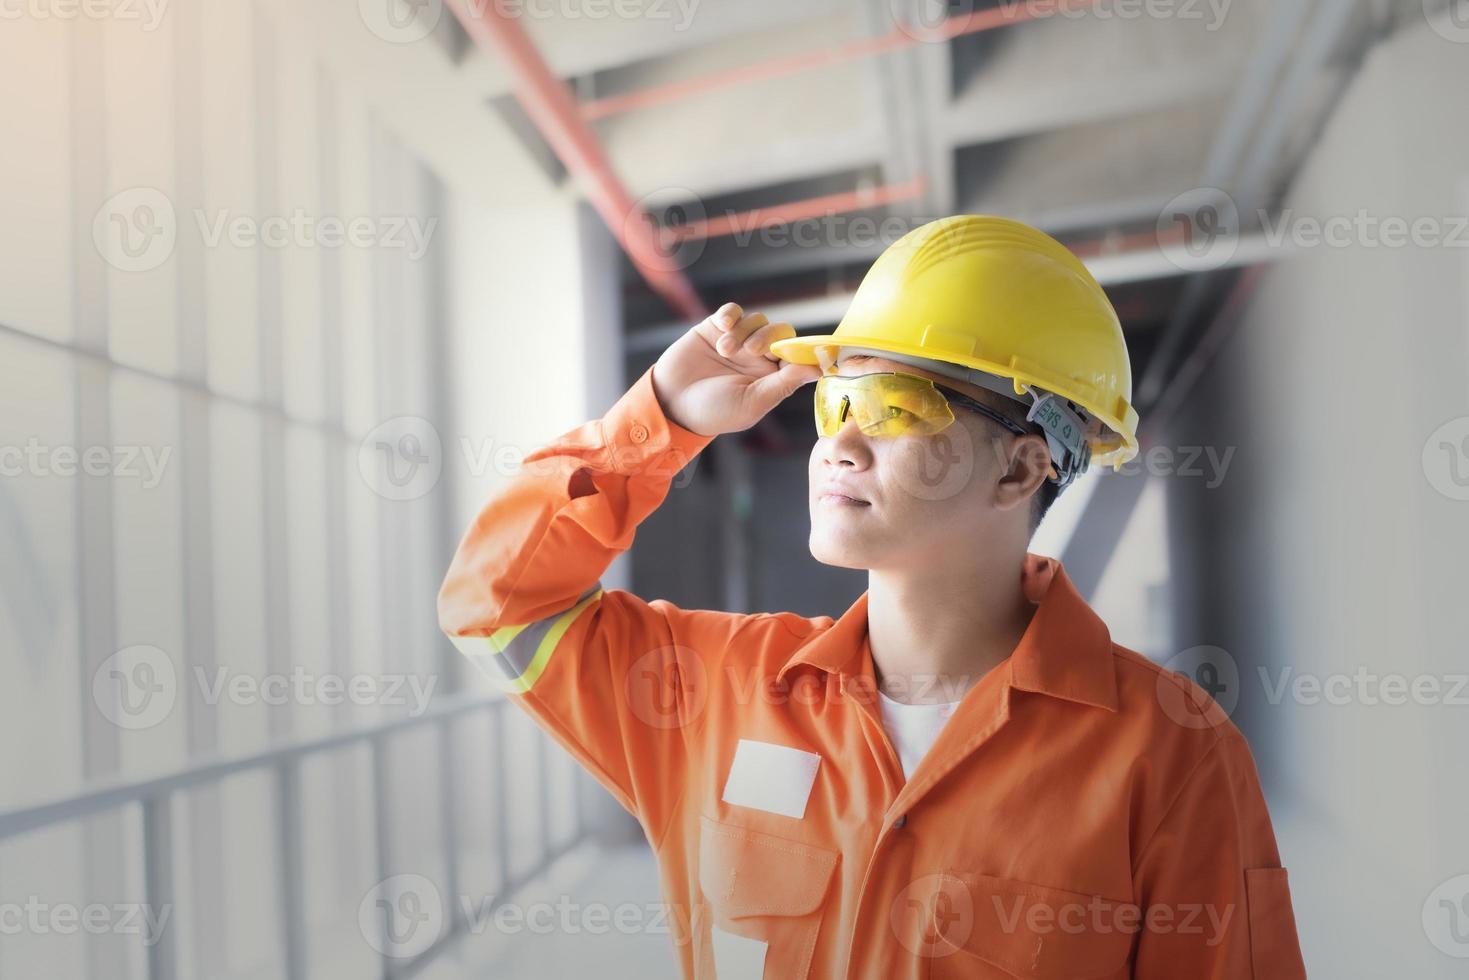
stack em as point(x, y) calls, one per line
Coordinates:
point(882, 502)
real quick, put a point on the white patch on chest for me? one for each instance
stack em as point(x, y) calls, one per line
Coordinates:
point(773, 778)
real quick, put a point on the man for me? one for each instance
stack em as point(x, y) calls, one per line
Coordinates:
point(962, 776)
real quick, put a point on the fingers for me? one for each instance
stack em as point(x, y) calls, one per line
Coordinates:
point(760, 340)
point(780, 385)
point(723, 320)
point(752, 335)
point(739, 333)
point(733, 335)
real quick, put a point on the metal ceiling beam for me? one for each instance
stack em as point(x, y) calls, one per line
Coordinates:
point(862, 245)
point(550, 105)
point(825, 205)
point(1005, 15)
point(1322, 32)
point(984, 114)
point(1322, 36)
point(1110, 260)
point(911, 90)
point(1253, 90)
point(1163, 389)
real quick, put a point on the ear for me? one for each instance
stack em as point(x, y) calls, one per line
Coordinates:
point(1027, 466)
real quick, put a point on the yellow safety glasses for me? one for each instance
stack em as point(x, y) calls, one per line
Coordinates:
point(892, 404)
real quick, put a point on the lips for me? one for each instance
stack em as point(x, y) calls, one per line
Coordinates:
point(836, 500)
point(836, 493)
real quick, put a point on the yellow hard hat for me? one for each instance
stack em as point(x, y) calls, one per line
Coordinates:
point(1004, 301)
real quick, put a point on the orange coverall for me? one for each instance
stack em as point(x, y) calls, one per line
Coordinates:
point(1084, 813)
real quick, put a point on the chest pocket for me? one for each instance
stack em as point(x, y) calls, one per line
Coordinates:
point(763, 899)
point(984, 927)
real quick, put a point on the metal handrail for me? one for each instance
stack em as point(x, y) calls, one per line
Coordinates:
point(121, 792)
point(155, 793)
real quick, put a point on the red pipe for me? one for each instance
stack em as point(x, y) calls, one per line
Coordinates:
point(1004, 15)
point(811, 207)
point(553, 110)
point(1138, 241)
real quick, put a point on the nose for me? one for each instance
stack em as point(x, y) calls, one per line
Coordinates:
point(847, 447)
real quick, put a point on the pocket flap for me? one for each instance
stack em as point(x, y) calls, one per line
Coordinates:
point(1275, 950)
point(747, 872)
point(1033, 931)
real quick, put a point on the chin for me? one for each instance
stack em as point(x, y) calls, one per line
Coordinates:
point(838, 554)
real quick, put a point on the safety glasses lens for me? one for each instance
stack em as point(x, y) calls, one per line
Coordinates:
point(882, 404)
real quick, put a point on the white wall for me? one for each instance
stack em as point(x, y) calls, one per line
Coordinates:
point(519, 371)
point(536, 336)
point(1329, 548)
point(255, 373)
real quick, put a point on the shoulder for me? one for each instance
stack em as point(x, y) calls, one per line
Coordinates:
point(1150, 694)
point(1169, 724)
point(767, 639)
point(778, 635)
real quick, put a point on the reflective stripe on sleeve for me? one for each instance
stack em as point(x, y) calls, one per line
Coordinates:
point(513, 657)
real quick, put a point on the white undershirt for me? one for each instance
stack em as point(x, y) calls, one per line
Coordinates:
point(913, 728)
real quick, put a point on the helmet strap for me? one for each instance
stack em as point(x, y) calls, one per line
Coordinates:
point(1065, 431)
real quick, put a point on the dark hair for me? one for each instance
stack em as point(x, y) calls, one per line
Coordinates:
point(1045, 495)
point(1040, 504)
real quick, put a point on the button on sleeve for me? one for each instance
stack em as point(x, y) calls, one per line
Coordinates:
point(640, 439)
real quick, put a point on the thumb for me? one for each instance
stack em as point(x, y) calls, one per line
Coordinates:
point(777, 386)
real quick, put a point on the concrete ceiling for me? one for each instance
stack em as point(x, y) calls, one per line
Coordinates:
point(1088, 124)
point(1085, 122)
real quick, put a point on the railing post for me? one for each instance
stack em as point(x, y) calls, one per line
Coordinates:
point(158, 884)
point(543, 793)
point(499, 786)
point(288, 845)
point(450, 825)
point(155, 795)
point(578, 804)
point(380, 831)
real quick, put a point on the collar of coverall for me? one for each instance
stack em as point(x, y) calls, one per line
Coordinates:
point(1066, 651)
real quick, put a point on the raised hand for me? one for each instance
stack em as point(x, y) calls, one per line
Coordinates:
point(720, 377)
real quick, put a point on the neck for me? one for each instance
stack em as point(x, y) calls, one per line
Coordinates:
point(934, 632)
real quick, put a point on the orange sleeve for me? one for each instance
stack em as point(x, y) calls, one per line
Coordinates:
point(1215, 901)
point(603, 672)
